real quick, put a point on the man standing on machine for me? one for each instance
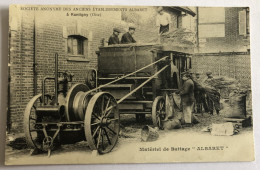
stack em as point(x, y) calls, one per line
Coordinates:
point(163, 21)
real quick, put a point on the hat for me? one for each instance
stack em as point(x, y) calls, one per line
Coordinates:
point(159, 9)
point(186, 73)
point(116, 30)
point(208, 73)
point(132, 27)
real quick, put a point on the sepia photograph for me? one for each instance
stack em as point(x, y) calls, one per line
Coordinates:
point(104, 84)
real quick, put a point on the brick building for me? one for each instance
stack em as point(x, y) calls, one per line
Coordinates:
point(223, 29)
point(36, 35)
point(223, 42)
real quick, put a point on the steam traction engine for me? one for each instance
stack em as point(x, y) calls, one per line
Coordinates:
point(71, 116)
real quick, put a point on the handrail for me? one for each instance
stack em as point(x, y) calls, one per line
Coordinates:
point(43, 87)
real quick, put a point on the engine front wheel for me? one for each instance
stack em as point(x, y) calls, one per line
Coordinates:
point(33, 137)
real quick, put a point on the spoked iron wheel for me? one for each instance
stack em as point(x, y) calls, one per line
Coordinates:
point(158, 111)
point(33, 137)
point(102, 122)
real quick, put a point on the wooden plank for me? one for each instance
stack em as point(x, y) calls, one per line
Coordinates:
point(133, 112)
point(130, 106)
point(138, 102)
point(172, 90)
point(119, 93)
point(233, 120)
point(130, 78)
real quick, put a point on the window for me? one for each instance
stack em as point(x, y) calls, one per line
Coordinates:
point(211, 22)
point(211, 30)
point(77, 46)
point(211, 15)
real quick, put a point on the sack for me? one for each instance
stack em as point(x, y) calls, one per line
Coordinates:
point(177, 101)
point(224, 129)
point(237, 103)
point(195, 119)
point(149, 134)
point(172, 124)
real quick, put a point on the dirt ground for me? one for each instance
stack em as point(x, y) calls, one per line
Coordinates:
point(129, 144)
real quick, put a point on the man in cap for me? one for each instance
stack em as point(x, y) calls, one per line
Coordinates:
point(187, 98)
point(163, 21)
point(210, 80)
point(113, 39)
point(127, 37)
point(212, 95)
point(197, 76)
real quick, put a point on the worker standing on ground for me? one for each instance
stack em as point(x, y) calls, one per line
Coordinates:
point(199, 94)
point(128, 36)
point(213, 96)
point(187, 97)
point(114, 39)
point(163, 21)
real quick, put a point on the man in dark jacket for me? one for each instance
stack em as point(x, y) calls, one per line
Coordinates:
point(113, 39)
point(199, 94)
point(213, 96)
point(127, 37)
point(187, 97)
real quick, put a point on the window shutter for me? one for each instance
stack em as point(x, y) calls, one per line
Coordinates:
point(242, 22)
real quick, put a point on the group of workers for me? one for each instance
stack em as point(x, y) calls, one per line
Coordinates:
point(163, 22)
point(126, 38)
point(195, 97)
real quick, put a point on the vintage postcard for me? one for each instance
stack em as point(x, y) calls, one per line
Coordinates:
point(128, 84)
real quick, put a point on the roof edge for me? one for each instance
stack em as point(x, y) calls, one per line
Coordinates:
point(185, 9)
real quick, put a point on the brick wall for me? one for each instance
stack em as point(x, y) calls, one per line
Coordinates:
point(234, 65)
point(21, 60)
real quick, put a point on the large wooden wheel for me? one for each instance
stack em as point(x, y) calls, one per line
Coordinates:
point(102, 122)
point(158, 111)
point(33, 137)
